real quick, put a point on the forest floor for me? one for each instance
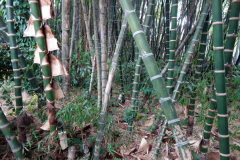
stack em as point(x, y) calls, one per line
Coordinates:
point(127, 146)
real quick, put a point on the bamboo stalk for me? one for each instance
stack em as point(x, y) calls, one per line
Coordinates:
point(167, 29)
point(23, 64)
point(161, 134)
point(197, 75)
point(103, 114)
point(103, 45)
point(157, 80)
point(189, 53)
point(134, 102)
point(220, 80)
point(65, 45)
point(14, 56)
point(46, 70)
point(172, 44)
point(97, 53)
point(232, 34)
point(10, 136)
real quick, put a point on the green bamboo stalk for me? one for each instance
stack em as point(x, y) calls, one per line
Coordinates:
point(161, 134)
point(41, 41)
point(97, 53)
point(189, 53)
point(209, 123)
point(103, 114)
point(157, 80)
point(173, 36)
point(167, 29)
point(14, 56)
point(232, 34)
point(231, 37)
point(197, 75)
point(10, 135)
point(220, 80)
point(134, 106)
point(28, 72)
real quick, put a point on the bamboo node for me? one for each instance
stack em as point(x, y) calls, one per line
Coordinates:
point(218, 48)
point(31, 78)
point(2, 28)
point(182, 72)
point(221, 94)
point(222, 115)
point(8, 6)
point(135, 91)
point(162, 100)
point(17, 86)
point(234, 18)
point(209, 124)
point(207, 131)
point(127, 12)
point(146, 55)
point(18, 97)
point(223, 136)
point(203, 44)
point(214, 23)
point(224, 155)
point(15, 60)
point(11, 20)
point(228, 50)
point(231, 35)
point(219, 71)
point(30, 2)
point(11, 34)
point(212, 110)
point(137, 32)
point(174, 121)
point(169, 86)
point(210, 117)
point(3, 126)
point(16, 47)
point(16, 69)
point(199, 65)
point(214, 100)
point(155, 77)
point(169, 78)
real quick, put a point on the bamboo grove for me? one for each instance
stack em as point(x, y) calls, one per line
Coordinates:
point(108, 75)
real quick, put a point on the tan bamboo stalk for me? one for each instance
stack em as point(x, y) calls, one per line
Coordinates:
point(98, 58)
point(103, 114)
point(89, 38)
point(65, 44)
point(103, 44)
